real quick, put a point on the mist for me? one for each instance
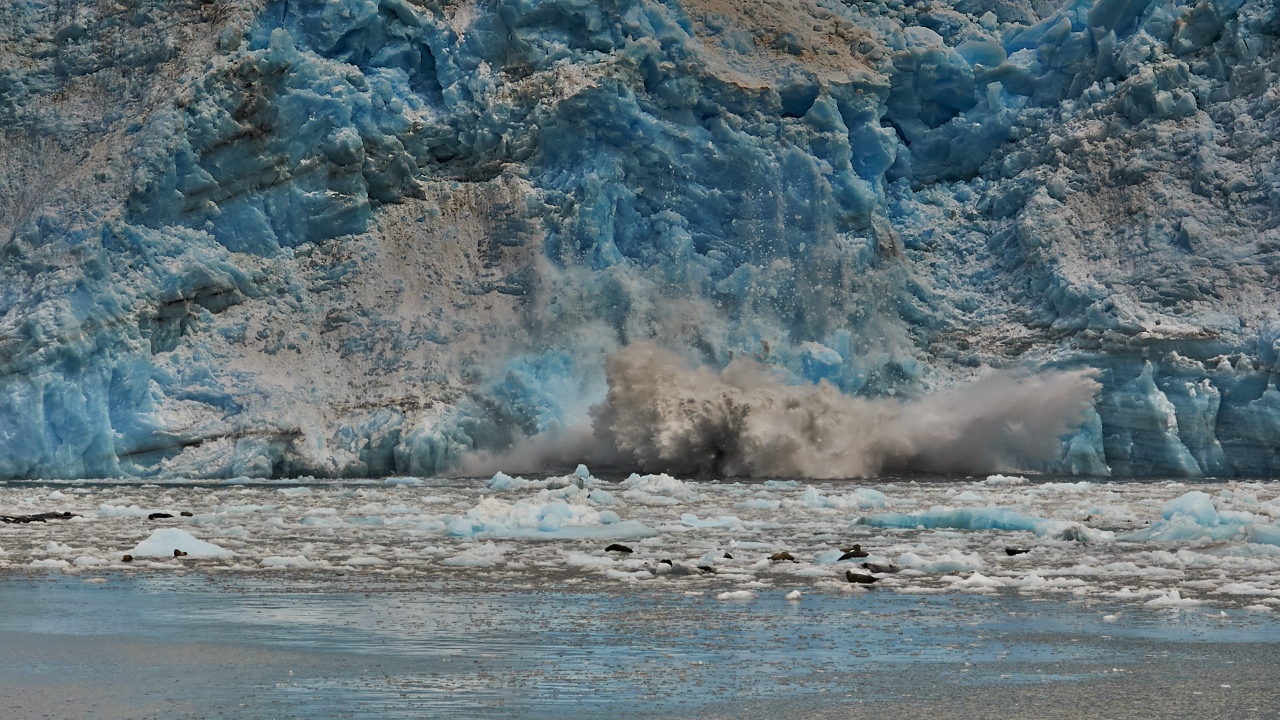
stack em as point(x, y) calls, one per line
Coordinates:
point(663, 415)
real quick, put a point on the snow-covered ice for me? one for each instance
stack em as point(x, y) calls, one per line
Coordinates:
point(163, 543)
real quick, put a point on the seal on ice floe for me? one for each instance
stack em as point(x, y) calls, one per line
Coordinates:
point(859, 578)
point(854, 552)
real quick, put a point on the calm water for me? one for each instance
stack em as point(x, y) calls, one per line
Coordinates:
point(206, 646)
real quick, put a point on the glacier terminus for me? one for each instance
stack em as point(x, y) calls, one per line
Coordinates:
point(364, 238)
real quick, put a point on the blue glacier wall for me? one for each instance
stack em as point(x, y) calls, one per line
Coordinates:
point(369, 237)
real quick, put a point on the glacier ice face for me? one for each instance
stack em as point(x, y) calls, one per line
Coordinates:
point(373, 237)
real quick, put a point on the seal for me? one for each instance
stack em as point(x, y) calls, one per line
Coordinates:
point(1011, 551)
point(783, 556)
point(127, 558)
point(159, 516)
point(38, 517)
point(854, 577)
point(619, 549)
point(178, 553)
point(854, 552)
point(885, 568)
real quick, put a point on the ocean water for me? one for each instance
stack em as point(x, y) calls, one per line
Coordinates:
point(415, 597)
point(201, 646)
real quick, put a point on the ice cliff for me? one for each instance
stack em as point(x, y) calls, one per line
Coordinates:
point(366, 237)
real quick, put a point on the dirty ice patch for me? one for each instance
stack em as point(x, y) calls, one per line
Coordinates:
point(163, 542)
point(989, 518)
point(292, 562)
point(949, 562)
point(481, 556)
point(109, 510)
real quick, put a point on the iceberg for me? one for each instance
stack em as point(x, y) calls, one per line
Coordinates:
point(376, 238)
point(163, 543)
point(988, 518)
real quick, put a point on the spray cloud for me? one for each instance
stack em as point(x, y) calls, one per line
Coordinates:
point(663, 415)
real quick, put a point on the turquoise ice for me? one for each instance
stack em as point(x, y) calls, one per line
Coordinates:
point(366, 238)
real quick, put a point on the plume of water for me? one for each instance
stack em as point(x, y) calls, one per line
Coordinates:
point(663, 415)
point(746, 421)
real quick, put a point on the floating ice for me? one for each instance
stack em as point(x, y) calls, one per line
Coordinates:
point(1172, 599)
point(162, 543)
point(1194, 516)
point(464, 534)
point(951, 561)
point(990, 518)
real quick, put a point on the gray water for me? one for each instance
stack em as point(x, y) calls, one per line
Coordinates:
point(165, 646)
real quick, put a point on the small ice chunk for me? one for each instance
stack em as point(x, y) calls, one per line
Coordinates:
point(977, 581)
point(107, 510)
point(1195, 504)
point(292, 562)
point(1004, 480)
point(1172, 599)
point(951, 561)
point(163, 542)
point(795, 595)
point(486, 555)
point(737, 595)
point(759, 504)
point(502, 481)
point(861, 498)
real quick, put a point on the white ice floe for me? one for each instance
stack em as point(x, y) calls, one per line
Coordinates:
point(163, 543)
point(1172, 599)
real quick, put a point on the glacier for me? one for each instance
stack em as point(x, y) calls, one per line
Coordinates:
point(377, 237)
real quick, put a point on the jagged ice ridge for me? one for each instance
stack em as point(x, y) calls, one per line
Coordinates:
point(369, 238)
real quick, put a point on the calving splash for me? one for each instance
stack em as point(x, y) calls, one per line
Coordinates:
point(663, 414)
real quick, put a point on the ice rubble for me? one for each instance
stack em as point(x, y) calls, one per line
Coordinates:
point(1162, 545)
point(364, 238)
